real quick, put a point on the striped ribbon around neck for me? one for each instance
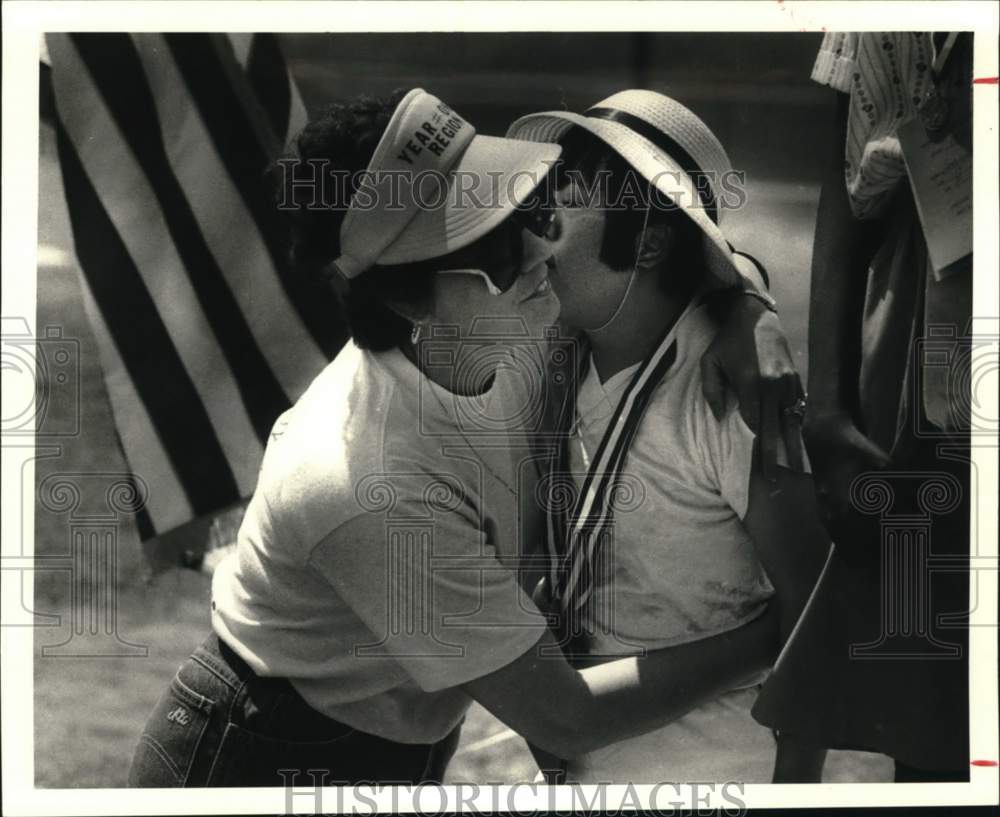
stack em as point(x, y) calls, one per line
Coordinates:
point(581, 535)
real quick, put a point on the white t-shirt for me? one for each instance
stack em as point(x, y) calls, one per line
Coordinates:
point(683, 567)
point(374, 567)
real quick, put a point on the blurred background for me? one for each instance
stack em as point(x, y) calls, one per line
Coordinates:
point(753, 90)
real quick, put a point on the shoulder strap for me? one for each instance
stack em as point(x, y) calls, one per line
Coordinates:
point(593, 511)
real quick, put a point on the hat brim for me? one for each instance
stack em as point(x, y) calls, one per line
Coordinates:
point(490, 180)
point(655, 165)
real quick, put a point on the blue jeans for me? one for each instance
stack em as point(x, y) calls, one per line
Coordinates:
point(220, 724)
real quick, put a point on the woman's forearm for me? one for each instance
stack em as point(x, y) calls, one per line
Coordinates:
point(632, 696)
point(568, 711)
point(783, 521)
point(842, 251)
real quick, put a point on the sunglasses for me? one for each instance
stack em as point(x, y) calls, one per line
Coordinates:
point(537, 218)
point(490, 285)
point(498, 281)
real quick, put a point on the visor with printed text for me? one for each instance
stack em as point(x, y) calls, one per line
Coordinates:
point(434, 186)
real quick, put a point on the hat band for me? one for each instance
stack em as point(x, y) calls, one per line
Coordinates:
point(668, 146)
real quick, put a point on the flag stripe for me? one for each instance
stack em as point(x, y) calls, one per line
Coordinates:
point(134, 323)
point(167, 505)
point(46, 98)
point(233, 134)
point(165, 141)
point(269, 80)
point(229, 229)
point(114, 64)
point(132, 207)
point(298, 116)
point(241, 42)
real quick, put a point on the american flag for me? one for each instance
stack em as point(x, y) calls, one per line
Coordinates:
point(205, 332)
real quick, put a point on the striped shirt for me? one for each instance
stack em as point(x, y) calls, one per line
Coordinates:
point(887, 74)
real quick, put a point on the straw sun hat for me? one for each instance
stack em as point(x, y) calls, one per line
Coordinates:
point(669, 146)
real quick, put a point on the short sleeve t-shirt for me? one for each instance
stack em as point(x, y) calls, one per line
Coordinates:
point(683, 566)
point(375, 566)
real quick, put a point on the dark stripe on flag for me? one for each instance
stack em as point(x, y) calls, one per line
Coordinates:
point(233, 134)
point(46, 95)
point(114, 64)
point(152, 361)
point(269, 79)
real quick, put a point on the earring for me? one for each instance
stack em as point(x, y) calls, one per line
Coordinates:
point(415, 334)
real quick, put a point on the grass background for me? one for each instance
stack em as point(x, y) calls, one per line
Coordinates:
point(88, 712)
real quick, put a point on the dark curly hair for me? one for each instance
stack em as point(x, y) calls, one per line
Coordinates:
point(587, 155)
point(341, 142)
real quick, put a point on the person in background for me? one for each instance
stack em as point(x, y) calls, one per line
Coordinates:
point(860, 672)
point(641, 262)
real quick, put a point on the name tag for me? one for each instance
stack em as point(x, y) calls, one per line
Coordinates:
point(941, 177)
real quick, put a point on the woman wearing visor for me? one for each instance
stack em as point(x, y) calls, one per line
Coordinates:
point(374, 591)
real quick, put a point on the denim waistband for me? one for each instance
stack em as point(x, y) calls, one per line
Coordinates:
point(251, 694)
point(223, 662)
point(272, 708)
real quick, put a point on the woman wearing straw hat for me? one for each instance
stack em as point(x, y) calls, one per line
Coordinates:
point(640, 257)
point(374, 589)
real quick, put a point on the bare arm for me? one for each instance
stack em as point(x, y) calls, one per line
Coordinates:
point(783, 520)
point(569, 711)
point(844, 248)
point(842, 251)
point(750, 356)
